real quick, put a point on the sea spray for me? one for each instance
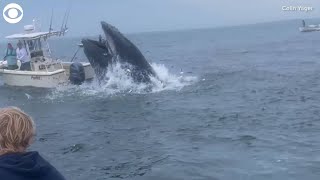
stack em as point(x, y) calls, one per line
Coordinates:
point(118, 81)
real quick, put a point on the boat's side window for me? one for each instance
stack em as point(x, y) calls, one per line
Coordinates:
point(38, 42)
point(35, 48)
point(34, 45)
point(31, 45)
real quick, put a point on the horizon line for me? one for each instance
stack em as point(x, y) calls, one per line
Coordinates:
point(190, 29)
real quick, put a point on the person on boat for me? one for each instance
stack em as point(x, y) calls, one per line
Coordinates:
point(11, 58)
point(17, 131)
point(23, 56)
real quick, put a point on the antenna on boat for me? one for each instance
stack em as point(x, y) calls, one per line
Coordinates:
point(50, 28)
point(61, 29)
point(64, 27)
point(34, 24)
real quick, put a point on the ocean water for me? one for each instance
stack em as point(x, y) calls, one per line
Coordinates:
point(235, 103)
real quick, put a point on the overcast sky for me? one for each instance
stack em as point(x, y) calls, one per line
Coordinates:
point(154, 15)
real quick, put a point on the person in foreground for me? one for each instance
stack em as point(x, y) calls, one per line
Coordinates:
point(17, 131)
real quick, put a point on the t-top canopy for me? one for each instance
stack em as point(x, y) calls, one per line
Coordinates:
point(34, 35)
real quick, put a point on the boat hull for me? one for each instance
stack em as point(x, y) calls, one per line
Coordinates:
point(42, 79)
point(309, 29)
point(34, 79)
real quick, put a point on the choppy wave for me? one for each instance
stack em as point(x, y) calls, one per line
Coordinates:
point(118, 82)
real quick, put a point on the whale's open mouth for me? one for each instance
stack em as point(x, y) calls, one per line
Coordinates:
point(116, 48)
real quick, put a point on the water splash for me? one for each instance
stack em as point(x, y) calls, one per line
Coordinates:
point(119, 82)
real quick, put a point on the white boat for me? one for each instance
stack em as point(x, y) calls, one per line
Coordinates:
point(46, 72)
point(309, 28)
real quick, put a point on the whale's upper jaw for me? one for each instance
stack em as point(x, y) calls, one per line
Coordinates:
point(115, 41)
point(117, 48)
point(108, 28)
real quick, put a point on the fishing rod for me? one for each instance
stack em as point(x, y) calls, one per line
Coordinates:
point(50, 28)
point(75, 54)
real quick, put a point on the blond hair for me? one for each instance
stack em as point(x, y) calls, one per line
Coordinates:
point(17, 130)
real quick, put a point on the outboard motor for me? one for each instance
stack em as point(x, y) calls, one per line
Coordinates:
point(77, 74)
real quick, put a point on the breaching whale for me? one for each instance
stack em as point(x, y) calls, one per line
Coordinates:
point(116, 48)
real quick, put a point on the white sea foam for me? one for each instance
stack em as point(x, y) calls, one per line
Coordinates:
point(119, 82)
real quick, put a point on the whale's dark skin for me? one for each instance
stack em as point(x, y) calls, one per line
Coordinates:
point(117, 48)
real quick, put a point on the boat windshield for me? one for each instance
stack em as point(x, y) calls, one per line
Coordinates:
point(34, 45)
